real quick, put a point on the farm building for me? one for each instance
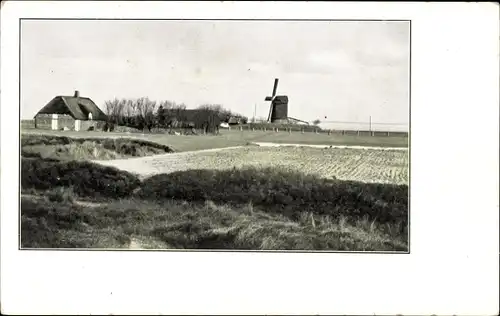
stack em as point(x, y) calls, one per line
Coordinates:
point(70, 113)
point(234, 120)
point(193, 118)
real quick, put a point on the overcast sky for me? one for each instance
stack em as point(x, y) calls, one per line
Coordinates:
point(346, 71)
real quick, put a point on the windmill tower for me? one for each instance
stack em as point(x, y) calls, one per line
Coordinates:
point(278, 111)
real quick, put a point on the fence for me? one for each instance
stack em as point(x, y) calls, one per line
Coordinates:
point(334, 127)
point(367, 126)
point(316, 130)
point(327, 127)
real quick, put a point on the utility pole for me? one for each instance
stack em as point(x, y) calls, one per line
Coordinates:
point(370, 125)
point(254, 111)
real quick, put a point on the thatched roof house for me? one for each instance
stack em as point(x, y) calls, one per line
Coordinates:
point(77, 107)
point(69, 112)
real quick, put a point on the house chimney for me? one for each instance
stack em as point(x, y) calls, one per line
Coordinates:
point(77, 93)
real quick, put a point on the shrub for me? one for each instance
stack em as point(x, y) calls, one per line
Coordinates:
point(86, 178)
point(61, 194)
point(42, 224)
point(64, 225)
point(288, 193)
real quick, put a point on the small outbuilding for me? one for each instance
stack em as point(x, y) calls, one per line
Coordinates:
point(70, 113)
point(234, 120)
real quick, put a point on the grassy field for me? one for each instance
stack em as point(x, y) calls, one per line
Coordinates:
point(70, 202)
point(229, 138)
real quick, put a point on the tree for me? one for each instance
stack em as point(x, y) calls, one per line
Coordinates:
point(114, 109)
point(222, 113)
point(145, 111)
point(316, 122)
point(160, 116)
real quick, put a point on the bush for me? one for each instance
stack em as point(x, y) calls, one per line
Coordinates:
point(87, 179)
point(42, 224)
point(65, 225)
point(61, 194)
point(288, 193)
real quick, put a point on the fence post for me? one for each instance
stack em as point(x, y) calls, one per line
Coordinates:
point(302, 131)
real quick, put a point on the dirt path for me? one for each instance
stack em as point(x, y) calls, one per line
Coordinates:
point(178, 154)
point(164, 163)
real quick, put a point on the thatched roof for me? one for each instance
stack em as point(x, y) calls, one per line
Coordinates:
point(76, 106)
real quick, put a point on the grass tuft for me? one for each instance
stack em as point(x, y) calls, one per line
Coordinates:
point(61, 194)
point(62, 148)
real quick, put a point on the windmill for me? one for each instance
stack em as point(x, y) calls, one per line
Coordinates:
point(278, 111)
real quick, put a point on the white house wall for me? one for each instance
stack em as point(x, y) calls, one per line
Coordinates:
point(55, 122)
point(78, 125)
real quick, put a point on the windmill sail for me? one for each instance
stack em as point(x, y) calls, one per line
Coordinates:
point(275, 87)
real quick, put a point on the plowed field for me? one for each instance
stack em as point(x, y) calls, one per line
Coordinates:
point(367, 165)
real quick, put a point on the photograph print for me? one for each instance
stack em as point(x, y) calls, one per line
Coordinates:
point(215, 135)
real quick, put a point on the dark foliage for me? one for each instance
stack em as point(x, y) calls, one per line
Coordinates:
point(284, 192)
point(51, 224)
point(60, 215)
point(87, 179)
point(161, 116)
